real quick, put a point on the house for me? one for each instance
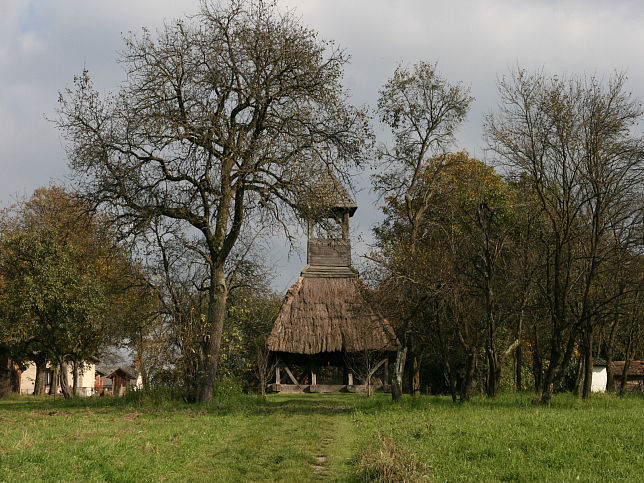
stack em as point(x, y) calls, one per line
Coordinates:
point(85, 379)
point(634, 378)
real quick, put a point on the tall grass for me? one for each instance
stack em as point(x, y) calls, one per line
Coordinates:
point(155, 436)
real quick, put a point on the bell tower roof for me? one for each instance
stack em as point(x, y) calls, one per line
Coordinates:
point(328, 195)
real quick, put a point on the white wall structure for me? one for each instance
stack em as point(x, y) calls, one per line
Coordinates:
point(85, 379)
point(600, 377)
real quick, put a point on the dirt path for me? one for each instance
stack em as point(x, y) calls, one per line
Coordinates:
point(335, 449)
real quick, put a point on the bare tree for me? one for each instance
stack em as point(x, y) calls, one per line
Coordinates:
point(229, 114)
point(572, 139)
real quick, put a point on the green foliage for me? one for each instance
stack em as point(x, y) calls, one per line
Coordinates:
point(68, 290)
point(249, 320)
point(49, 293)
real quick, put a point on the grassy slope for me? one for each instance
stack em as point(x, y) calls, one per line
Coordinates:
point(337, 437)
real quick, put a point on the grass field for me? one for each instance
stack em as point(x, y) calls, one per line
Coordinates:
point(315, 437)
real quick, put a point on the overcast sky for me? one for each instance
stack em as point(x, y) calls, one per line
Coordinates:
point(44, 43)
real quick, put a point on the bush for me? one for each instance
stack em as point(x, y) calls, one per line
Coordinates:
point(227, 387)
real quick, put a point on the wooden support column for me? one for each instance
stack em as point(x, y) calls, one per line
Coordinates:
point(312, 375)
point(350, 378)
point(345, 225)
point(277, 371)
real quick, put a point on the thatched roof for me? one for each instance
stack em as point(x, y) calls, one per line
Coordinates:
point(329, 315)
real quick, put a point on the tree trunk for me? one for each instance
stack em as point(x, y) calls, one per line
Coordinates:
point(588, 367)
point(579, 379)
point(493, 372)
point(622, 386)
point(53, 388)
point(537, 363)
point(41, 374)
point(64, 383)
point(466, 386)
point(75, 378)
point(558, 365)
point(518, 354)
point(518, 363)
point(566, 359)
point(450, 379)
point(548, 385)
point(397, 382)
point(217, 297)
point(415, 374)
point(610, 377)
point(5, 371)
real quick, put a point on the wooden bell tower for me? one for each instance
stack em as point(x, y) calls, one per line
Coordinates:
point(329, 255)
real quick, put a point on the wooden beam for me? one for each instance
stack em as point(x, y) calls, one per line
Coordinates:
point(377, 366)
point(290, 374)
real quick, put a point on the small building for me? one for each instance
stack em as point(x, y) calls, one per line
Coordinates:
point(116, 380)
point(600, 376)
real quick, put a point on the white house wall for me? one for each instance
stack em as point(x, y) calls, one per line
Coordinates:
point(28, 379)
point(86, 378)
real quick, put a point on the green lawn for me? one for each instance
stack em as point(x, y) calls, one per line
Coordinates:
point(336, 437)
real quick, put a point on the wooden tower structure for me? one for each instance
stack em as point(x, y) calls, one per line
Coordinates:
point(327, 323)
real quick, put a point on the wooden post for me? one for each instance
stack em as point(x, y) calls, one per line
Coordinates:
point(312, 375)
point(345, 225)
point(277, 374)
point(350, 378)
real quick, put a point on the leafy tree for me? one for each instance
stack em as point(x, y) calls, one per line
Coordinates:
point(222, 118)
point(49, 297)
point(422, 109)
point(69, 288)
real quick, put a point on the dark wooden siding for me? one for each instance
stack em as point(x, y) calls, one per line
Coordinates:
point(329, 253)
